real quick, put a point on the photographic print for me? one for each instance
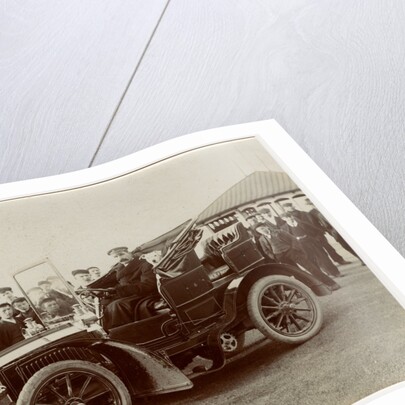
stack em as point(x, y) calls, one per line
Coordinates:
point(208, 276)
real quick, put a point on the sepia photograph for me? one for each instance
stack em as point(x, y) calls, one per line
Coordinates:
point(208, 277)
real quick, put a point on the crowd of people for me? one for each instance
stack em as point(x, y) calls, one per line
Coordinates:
point(296, 237)
point(131, 277)
point(14, 311)
point(51, 300)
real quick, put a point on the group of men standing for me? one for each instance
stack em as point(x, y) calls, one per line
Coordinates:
point(132, 278)
point(299, 238)
point(296, 237)
point(19, 319)
point(83, 277)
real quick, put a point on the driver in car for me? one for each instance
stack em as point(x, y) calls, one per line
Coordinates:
point(135, 280)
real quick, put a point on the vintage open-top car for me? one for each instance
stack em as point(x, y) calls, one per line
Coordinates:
point(73, 361)
point(213, 287)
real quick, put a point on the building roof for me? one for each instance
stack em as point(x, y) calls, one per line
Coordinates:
point(256, 186)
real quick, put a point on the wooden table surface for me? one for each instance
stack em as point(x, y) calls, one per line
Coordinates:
point(86, 82)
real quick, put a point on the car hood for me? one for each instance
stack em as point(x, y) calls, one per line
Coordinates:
point(41, 340)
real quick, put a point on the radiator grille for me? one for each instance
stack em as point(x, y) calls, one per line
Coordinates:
point(30, 367)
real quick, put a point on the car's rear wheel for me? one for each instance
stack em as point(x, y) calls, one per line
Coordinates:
point(284, 309)
point(74, 382)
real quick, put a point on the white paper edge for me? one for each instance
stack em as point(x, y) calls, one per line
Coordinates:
point(379, 255)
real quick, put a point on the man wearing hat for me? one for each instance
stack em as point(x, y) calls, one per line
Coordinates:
point(283, 247)
point(46, 287)
point(82, 277)
point(313, 224)
point(10, 332)
point(135, 279)
point(53, 311)
point(94, 273)
point(250, 222)
point(270, 218)
point(6, 294)
point(24, 311)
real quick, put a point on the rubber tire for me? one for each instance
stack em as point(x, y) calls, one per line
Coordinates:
point(257, 318)
point(34, 384)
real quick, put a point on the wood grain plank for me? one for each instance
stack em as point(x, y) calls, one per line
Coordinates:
point(64, 66)
point(330, 72)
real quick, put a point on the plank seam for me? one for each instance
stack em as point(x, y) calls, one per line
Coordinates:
point(128, 85)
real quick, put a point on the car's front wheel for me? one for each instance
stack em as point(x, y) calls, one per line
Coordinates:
point(284, 309)
point(74, 382)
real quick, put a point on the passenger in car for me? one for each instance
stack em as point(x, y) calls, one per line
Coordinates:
point(135, 280)
point(7, 295)
point(10, 331)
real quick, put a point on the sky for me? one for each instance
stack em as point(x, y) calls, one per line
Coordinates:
point(76, 228)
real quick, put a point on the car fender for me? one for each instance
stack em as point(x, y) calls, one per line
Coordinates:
point(269, 269)
point(143, 372)
point(239, 287)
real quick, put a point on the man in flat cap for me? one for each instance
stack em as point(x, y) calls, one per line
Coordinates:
point(6, 294)
point(135, 279)
point(49, 291)
point(82, 277)
point(24, 311)
point(284, 247)
point(269, 217)
point(94, 273)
